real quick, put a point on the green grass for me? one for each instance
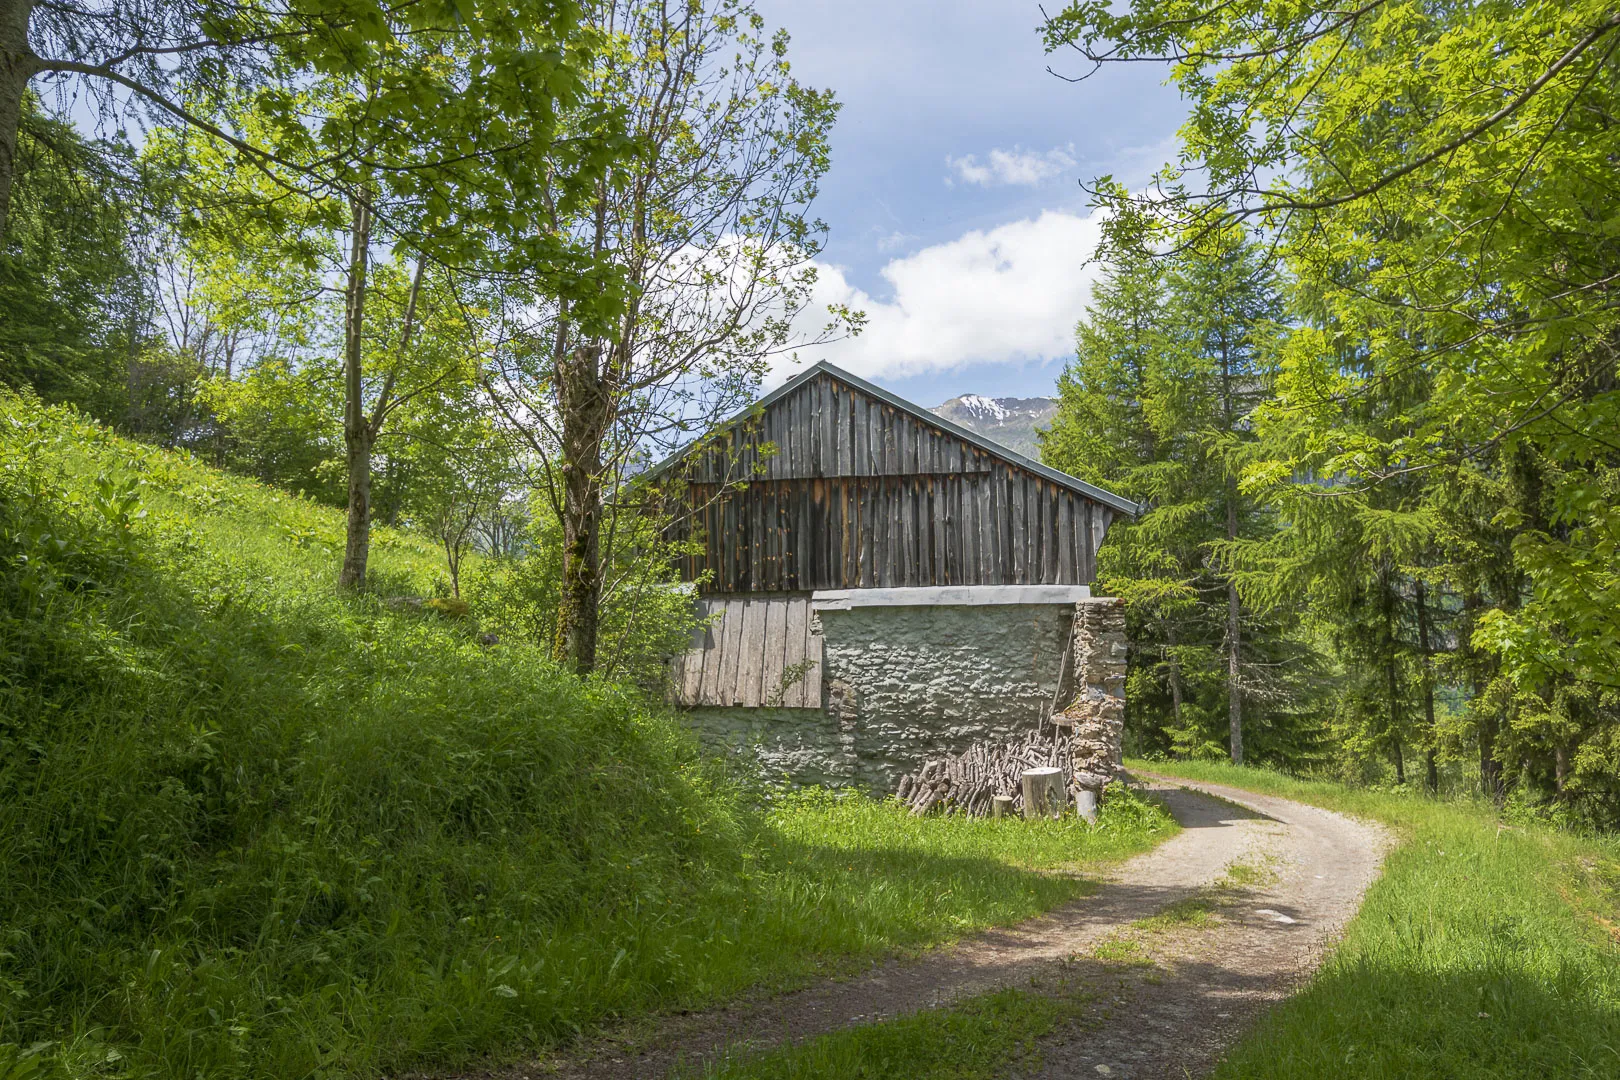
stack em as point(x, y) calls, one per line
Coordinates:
point(1482, 953)
point(977, 1039)
point(1193, 913)
point(252, 827)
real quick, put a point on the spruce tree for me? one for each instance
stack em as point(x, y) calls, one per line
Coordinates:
point(1173, 356)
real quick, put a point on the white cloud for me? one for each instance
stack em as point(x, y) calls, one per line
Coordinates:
point(1007, 295)
point(1015, 166)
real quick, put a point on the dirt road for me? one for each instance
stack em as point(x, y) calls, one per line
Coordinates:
point(1276, 882)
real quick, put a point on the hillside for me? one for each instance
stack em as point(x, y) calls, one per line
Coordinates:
point(250, 826)
point(1012, 422)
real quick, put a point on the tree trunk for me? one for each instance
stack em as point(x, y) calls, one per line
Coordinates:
point(1392, 675)
point(1431, 771)
point(1234, 630)
point(1490, 770)
point(585, 404)
point(18, 64)
point(357, 429)
point(1173, 662)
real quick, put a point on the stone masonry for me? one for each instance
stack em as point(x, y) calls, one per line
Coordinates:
point(1097, 712)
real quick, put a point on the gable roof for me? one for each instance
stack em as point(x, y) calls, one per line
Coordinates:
point(995, 449)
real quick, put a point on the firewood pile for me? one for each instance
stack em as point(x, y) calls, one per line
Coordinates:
point(967, 782)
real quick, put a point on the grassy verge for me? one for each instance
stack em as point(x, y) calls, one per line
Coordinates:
point(1484, 951)
point(252, 827)
point(984, 1037)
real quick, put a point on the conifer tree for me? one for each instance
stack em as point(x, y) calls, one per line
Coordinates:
point(1173, 357)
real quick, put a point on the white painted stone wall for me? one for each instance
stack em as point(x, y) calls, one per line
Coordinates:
point(902, 684)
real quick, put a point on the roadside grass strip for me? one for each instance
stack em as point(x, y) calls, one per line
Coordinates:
point(981, 1037)
point(1486, 951)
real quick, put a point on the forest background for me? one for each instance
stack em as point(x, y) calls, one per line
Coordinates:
point(468, 269)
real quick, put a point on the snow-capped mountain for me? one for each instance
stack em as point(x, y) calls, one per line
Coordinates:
point(1012, 422)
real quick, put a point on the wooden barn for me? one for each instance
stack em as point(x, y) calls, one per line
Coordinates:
point(873, 578)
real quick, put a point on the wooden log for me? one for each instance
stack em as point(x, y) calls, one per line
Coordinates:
point(1001, 805)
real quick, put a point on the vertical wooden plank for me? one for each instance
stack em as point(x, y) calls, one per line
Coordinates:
point(1087, 566)
point(987, 524)
point(812, 423)
point(713, 638)
point(692, 683)
point(849, 528)
point(870, 413)
point(859, 407)
point(908, 529)
point(1052, 531)
point(1065, 545)
point(794, 635)
point(751, 658)
point(1060, 499)
point(789, 428)
point(812, 678)
point(1100, 521)
point(974, 497)
point(676, 674)
point(871, 521)
point(730, 652)
point(829, 428)
point(1037, 527)
point(1020, 531)
point(775, 649)
point(803, 569)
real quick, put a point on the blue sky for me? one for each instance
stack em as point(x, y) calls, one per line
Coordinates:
point(957, 221)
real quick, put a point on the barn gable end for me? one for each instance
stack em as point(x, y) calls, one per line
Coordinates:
point(833, 483)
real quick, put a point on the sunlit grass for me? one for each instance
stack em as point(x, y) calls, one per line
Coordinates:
point(1483, 952)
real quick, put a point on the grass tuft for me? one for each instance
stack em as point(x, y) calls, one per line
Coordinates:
point(986, 1036)
point(1193, 913)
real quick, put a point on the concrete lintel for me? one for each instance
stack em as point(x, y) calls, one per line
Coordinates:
point(948, 596)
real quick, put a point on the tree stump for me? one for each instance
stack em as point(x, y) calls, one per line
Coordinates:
point(1044, 792)
point(1001, 805)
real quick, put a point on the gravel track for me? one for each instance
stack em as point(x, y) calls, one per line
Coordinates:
point(1188, 995)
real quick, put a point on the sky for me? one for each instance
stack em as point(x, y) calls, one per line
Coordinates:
point(956, 217)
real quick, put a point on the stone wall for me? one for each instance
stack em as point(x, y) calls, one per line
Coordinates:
point(1096, 712)
point(906, 683)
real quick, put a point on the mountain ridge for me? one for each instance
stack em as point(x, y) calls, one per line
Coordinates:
point(1012, 422)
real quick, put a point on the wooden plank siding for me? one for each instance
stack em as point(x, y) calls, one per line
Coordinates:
point(829, 487)
point(747, 650)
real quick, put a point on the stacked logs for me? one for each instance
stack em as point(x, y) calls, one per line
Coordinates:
point(967, 782)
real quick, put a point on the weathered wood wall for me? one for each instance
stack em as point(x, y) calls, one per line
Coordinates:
point(831, 488)
point(751, 652)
